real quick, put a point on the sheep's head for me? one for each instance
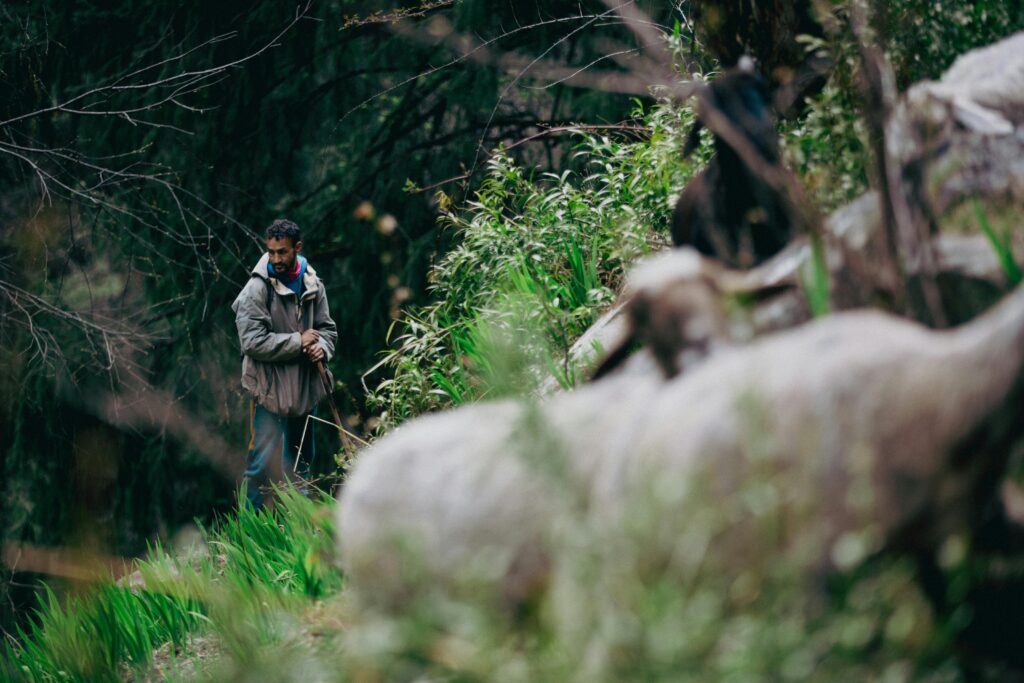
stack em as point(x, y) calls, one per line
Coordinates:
point(674, 309)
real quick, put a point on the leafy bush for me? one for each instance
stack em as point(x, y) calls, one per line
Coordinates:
point(827, 147)
point(536, 254)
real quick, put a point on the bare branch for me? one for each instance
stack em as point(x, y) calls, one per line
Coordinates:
point(395, 15)
point(650, 38)
point(555, 130)
point(192, 80)
point(910, 248)
point(37, 324)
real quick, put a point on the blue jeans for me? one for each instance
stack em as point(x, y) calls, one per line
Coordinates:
point(271, 435)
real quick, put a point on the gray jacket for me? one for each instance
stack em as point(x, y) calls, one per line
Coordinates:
point(274, 369)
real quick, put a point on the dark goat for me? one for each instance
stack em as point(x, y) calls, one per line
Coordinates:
point(732, 211)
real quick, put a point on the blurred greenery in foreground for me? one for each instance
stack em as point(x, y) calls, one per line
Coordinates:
point(260, 599)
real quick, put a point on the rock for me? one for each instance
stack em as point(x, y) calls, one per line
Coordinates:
point(984, 88)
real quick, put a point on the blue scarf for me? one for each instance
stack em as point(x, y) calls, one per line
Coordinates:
point(292, 283)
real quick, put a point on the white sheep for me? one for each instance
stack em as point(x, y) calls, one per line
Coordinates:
point(474, 498)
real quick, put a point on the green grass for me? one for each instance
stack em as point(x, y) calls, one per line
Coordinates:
point(256, 562)
point(1002, 243)
point(815, 279)
point(90, 636)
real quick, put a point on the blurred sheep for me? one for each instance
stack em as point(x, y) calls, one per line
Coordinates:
point(472, 501)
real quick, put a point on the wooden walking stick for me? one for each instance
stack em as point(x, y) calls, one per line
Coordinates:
point(347, 437)
point(346, 442)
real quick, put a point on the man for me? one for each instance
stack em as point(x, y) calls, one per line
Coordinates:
point(284, 328)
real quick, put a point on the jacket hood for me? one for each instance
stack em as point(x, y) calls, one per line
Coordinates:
point(310, 281)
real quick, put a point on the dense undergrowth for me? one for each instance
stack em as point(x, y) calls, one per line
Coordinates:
point(538, 257)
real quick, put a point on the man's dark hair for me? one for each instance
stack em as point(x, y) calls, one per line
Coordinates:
point(282, 228)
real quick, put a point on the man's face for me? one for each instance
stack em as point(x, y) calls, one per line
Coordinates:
point(283, 253)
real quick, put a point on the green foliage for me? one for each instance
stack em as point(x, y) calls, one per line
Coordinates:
point(514, 236)
point(1001, 243)
point(254, 563)
point(928, 35)
point(536, 253)
point(827, 146)
point(88, 637)
point(815, 279)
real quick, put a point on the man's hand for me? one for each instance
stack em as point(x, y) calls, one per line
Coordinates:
point(311, 345)
point(316, 353)
point(309, 338)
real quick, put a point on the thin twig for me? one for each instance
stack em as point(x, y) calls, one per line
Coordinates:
point(556, 130)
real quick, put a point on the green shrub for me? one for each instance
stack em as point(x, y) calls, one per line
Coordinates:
point(537, 258)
